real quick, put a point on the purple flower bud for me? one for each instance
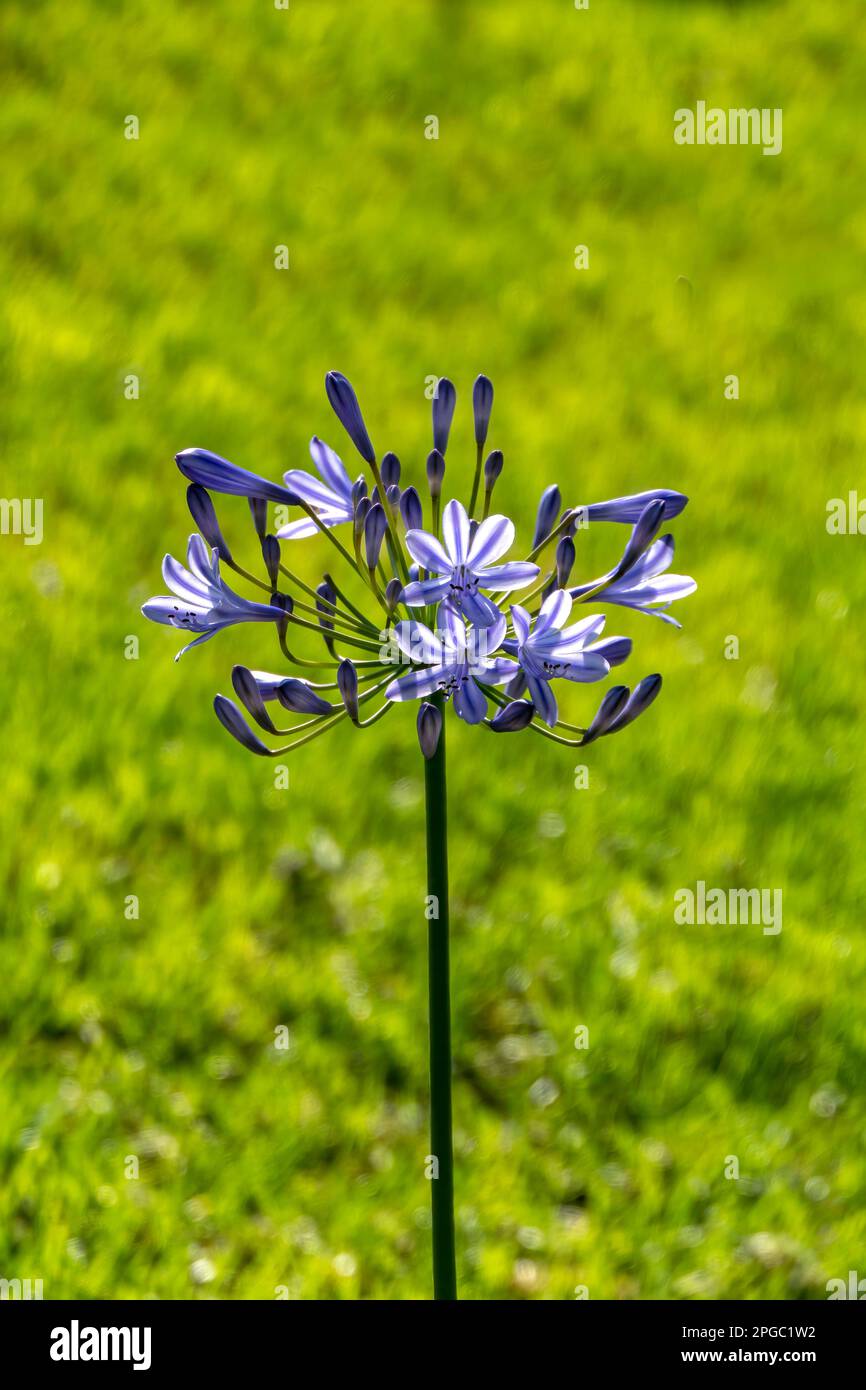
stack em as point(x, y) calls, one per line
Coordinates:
point(444, 402)
point(565, 556)
point(429, 728)
point(393, 495)
point(231, 718)
point(287, 603)
point(359, 490)
point(347, 684)
point(295, 695)
point(628, 509)
point(548, 511)
point(610, 708)
point(393, 590)
point(374, 533)
point(492, 468)
point(615, 650)
point(344, 404)
point(271, 557)
point(259, 512)
point(328, 594)
point(201, 508)
point(411, 510)
point(513, 717)
point(645, 530)
point(640, 699)
point(389, 470)
point(201, 466)
point(435, 472)
point(482, 404)
point(247, 690)
point(361, 511)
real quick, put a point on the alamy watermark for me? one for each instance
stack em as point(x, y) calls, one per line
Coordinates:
point(720, 907)
point(22, 516)
point(736, 126)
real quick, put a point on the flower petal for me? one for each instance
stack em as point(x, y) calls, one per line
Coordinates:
point(495, 671)
point(417, 642)
point(543, 698)
point(185, 585)
point(572, 639)
point(493, 538)
point(481, 611)
point(521, 622)
point(469, 702)
point(615, 650)
point(585, 667)
point(455, 531)
point(554, 611)
point(422, 591)
point(315, 492)
point(428, 551)
point(417, 684)
point(515, 575)
point(330, 465)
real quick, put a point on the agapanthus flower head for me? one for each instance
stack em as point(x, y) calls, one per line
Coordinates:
point(425, 608)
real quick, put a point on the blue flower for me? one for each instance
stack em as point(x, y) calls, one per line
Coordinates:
point(548, 651)
point(629, 508)
point(644, 586)
point(456, 658)
point(201, 466)
point(344, 404)
point(331, 500)
point(463, 566)
point(207, 603)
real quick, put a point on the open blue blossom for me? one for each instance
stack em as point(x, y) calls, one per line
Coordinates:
point(455, 659)
point(331, 499)
point(548, 651)
point(464, 565)
point(645, 586)
point(207, 604)
point(458, 566)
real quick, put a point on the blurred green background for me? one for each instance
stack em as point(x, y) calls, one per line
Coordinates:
point(153, 1038)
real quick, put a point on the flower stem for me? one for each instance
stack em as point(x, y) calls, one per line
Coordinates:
point(441, 1148)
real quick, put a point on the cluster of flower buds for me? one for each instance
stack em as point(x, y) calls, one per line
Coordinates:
point(430, 600)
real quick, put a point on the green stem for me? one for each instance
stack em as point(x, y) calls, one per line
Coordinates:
point(441, 1147)
point(476, 480)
